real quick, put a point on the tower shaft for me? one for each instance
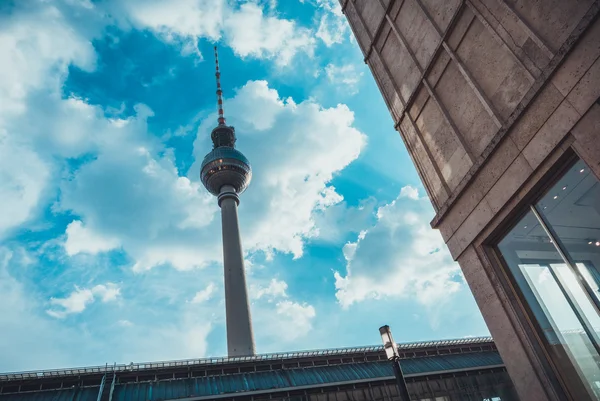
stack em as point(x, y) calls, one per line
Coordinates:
point(240, 338)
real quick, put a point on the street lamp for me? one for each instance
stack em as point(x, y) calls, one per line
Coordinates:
point(391, 351)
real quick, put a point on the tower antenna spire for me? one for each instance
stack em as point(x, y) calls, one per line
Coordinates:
point(219, 90)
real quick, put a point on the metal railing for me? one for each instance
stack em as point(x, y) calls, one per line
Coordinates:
point(222, 360)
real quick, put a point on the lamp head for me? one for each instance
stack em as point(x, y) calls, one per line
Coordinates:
point(390, 347)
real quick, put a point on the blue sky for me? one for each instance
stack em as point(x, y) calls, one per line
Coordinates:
point(110, 247)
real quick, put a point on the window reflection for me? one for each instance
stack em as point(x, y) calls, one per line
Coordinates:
point(566, 326)
point(587, 309)
point(554, 258)
point(572, 209)
point(591, 275)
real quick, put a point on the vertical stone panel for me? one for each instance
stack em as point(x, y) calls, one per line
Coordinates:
point(430, 120)
point(514, 33)
point(372, 13)
point(419, 33)
point(470, 228)
point(484, 180)
point(395, 9)
point(539, 110)
point(496, 165)
point(509, 21)
point(438, 68)
point(383, 35)
point(497, 72)
point(481, 132)
point(445, 148)
point(389, 91)
point(587, 135)
point(508, 184)
point(465, 109)
point(587, 90)
point(461, 26)
point(434, 180)
point(400, 64)
point(437, 134)
point(536, 53)
point(552, 20)
point(551, 133)
point(419, 103)
point(360, 32)
point(579, 61)
point(441, 11)
point(511, 91)
point(457, 167)
point(429, 44)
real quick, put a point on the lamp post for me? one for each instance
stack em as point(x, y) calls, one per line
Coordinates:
point(391, 350)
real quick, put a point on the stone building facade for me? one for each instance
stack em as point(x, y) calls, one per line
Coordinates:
point(497, 102)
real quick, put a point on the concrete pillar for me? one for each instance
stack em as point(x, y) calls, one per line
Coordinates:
point(240, 339)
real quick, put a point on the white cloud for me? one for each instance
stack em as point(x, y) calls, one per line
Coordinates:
point(274, 312)
point(195, 340)
point(204, 295)
point(80, 239)
point(74, 303)
point(339, 220)
point(394, 258)
point(91, 341)
point(275, 289)
point(135, 197)
point(251, 33)
point(22, 326)
point(295, 319)
point(332, 23)
point(333, 6)
point(345, 76)
point(409, 192)
point(131, 195)
point(331, 30)
point(23, 177)
point(307, 145)
point(79, 299)
point(38, 62)
point(350, 248)
point(107, 292)
point(70, 127)
point(185, 18)
point(247, 28)
point(168, 219)
point(37, 58)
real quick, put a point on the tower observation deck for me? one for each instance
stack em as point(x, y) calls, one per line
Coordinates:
point(226, 173)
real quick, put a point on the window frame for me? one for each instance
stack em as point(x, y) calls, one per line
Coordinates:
point(556, 374)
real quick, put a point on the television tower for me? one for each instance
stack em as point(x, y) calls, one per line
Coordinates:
point(226, 173)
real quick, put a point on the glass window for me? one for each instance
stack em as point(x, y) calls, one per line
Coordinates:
point(553, 253)
point(572, 210)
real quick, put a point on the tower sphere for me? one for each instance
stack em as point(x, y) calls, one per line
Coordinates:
point(225, 165)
